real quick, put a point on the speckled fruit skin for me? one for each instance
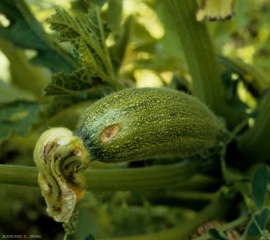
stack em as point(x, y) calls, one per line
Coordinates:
point(151, 122)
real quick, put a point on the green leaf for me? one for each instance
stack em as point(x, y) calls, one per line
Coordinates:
point(217, 235)
point(79, 81)
point(87, 33)
point(201, 61)
point(26, 32)
point(89, 58)
point(259, 186)
point(17, 118)
point(261, 220)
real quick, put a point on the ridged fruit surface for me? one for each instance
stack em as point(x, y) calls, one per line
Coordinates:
point(146, 123)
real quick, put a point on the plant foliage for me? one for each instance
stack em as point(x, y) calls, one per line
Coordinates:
point(85, 50)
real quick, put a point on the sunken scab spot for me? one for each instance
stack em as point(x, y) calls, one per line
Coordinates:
point(48, 150)
point(109, 132)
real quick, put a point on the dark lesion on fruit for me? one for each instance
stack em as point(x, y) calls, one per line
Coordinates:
point(48, 151)
point(109, 132)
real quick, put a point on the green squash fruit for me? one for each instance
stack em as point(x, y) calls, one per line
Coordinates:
point(133, 124)
point(144, 123)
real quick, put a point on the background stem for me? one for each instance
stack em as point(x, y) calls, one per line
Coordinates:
point(254, 144)
point(199, 53)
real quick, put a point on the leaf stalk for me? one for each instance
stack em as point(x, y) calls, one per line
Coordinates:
point(199, 54)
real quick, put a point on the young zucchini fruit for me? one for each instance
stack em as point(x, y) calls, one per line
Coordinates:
point(144, 123)
point(133, 124)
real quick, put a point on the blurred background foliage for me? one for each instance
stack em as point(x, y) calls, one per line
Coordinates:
point(145, 52)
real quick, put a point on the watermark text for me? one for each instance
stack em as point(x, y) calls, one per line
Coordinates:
point(20, 236)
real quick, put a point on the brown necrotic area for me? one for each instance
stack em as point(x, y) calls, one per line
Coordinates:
point(109, 132)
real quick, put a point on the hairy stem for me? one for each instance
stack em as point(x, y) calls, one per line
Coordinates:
point(134, 179)
point(18, 175)
point(199, 53)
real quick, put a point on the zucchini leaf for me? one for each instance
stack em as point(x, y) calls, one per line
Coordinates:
point(79, 81)
point(87, 34)
point(26, 32)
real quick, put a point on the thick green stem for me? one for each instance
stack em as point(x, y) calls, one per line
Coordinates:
point(18, 175)
point(255, 143)
point(150, 178)
point(135, 179)
point(199, 53)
